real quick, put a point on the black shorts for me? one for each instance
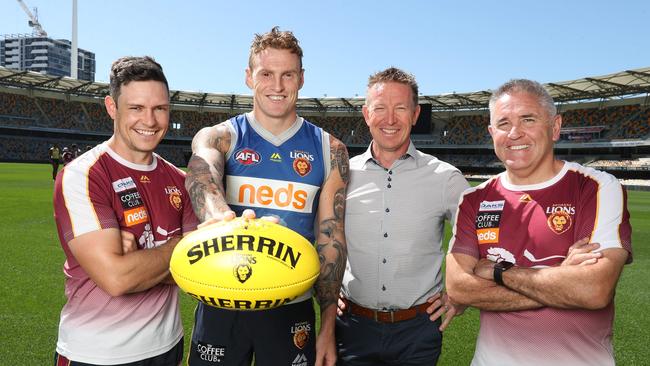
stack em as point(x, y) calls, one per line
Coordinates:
point(284, 336)
point(173, 357)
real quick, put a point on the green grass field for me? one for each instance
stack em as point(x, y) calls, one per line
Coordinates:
point(31, 279)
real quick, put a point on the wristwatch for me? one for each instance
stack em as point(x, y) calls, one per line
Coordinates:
point(499, 268)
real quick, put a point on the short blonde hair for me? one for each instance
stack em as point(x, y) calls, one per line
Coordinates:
point(280, 40)
point(395, 75)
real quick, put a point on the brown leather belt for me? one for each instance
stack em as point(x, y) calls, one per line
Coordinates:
point(388, 316)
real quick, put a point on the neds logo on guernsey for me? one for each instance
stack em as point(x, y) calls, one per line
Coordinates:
point(270, 193)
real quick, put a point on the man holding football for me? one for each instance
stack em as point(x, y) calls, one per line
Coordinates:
point(120, 210)
point(539, 248)
point(269, 150)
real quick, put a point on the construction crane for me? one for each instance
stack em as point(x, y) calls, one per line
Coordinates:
point(33, 20)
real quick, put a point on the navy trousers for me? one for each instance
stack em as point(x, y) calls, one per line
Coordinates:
point(362, 341)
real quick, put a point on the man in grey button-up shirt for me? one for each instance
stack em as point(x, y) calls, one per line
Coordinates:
point(397, 201)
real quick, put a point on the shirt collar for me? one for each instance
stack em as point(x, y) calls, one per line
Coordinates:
point(411, 153)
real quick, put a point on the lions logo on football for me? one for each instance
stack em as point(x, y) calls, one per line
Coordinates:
point(243, 272)
point(243, 269)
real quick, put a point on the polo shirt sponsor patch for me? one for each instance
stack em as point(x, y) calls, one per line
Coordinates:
point(492, 206)
point(487, 227)
point(130, 198)
point(136, 216)
point(123, 184)
point(487, 236)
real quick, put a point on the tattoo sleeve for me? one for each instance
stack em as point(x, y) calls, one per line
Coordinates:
point(339, 160)
point(331, 245)
point(205, 172)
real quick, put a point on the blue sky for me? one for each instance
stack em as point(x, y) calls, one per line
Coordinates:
point(450, 46)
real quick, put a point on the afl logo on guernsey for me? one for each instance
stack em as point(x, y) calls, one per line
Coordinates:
point(247, 157)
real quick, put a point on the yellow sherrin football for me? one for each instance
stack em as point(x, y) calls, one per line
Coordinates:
point(245, 264)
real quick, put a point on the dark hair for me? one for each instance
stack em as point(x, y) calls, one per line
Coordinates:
point(529, 87)
point(280, 40)
point(127, 69)
point(393, 74)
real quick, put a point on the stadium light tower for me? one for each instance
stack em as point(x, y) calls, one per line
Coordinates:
point(33, 19)
point(74, 49)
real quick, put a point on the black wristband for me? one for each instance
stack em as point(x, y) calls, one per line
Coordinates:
point(499, 268)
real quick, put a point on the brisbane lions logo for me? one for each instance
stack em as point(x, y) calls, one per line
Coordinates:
point(175, 200)
point(174, 195)
point(300, 333)
point(243, 271)
point(300, 338)
point(559, 222)
point(302, 166)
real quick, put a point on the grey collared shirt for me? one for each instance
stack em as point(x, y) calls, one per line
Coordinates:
point(394, 227)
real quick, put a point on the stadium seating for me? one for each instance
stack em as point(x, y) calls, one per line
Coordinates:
point(622, 122)
point(86, 122)
point(617, 122)
point(466, 130)
point(640, 163)
point(348, 129)
point(36, 149)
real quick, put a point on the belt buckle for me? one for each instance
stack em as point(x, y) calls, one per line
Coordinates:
point(391, 312)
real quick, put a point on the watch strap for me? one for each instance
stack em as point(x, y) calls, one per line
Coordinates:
point(499, 268)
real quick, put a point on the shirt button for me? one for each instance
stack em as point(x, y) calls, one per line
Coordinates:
point(384, 261)
point(385, 235)
point(390, 179)
point(387, 209)
point(383, 288)
point(390, 172)
point(388, 185)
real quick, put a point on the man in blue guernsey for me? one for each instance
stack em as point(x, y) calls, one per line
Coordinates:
point(277, 164)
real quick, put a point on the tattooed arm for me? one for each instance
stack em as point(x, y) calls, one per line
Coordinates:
point(332, 250)
point(205, 172)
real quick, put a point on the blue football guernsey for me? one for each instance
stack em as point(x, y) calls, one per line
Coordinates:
point(277, 175)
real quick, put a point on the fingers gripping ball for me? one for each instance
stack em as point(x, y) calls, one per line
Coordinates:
point(245, 264)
